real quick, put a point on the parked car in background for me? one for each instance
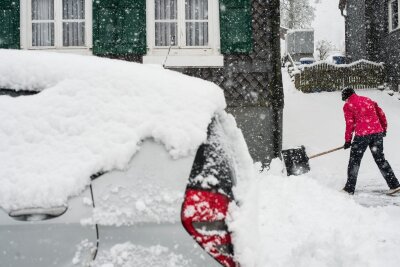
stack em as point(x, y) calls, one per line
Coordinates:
point(336, 58)
point(307, 60)
point(115, 166)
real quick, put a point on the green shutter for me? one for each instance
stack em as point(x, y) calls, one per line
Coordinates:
point(104, 26)
point(235, 24)
point(9, 24)
point(119, 27)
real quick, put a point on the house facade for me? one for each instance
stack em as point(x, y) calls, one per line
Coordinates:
point(373, 33)
point(233, 43)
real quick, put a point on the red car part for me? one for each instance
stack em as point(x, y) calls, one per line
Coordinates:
point(203, 216)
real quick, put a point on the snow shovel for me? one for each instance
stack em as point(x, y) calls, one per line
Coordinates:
point(296, 159)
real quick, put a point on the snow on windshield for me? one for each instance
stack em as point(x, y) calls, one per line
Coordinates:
point(90, 116)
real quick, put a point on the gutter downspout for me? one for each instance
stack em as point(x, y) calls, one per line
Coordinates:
point(342, 7)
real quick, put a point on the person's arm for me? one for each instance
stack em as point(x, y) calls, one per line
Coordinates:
point(382, 117)
point(350, 123)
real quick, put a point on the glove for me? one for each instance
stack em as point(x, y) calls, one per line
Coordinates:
point(384, 134)
point(347, 145)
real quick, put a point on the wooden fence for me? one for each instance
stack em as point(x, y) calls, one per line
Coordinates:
point(328, 77)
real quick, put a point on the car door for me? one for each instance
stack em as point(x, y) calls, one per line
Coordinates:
point(139, 209)
point(42, 237)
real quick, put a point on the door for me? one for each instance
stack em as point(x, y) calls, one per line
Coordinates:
point(138, 212)
point(55, 236)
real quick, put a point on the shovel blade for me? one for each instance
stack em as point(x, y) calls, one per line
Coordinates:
point(296, 161)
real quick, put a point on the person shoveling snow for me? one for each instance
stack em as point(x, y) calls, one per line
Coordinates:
point(364, 117)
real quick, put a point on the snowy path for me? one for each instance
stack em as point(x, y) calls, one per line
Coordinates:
point(304, 221)
point(316, 121)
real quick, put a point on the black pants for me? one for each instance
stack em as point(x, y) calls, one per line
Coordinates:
point(360, 144)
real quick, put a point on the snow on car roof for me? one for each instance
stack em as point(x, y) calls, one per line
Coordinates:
point(90, 116)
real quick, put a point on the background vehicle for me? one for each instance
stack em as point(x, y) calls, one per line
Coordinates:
point(307, 60)
point(336, 58)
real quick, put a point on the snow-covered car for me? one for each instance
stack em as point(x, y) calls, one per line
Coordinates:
point(336, 58)
point(307, 60)
point(111, 163)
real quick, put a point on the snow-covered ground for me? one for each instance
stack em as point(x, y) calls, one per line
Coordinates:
point(305, 220)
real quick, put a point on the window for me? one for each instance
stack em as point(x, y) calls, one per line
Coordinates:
point(394, 11)
point(183, 28)
point(73, 22)
point(42, 23)
point(57, 24)
point(194, 26)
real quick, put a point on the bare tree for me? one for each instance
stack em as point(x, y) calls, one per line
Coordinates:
point(296, 14)
point(323, 48)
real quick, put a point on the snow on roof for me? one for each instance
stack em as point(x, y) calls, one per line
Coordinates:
point(336, 53)
point(91, 115)
point(300, 30)
point(343, 65)
point(307, 59)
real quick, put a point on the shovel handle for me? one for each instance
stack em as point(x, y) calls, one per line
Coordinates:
point(326, 152)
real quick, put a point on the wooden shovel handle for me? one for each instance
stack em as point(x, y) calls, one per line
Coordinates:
point(326, 152)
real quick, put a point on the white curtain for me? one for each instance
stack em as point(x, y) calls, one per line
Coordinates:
point(42, 22)
point(73, 22)
point(196, 15)
point(166, 22)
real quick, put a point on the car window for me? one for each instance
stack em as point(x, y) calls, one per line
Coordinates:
point(15, 93)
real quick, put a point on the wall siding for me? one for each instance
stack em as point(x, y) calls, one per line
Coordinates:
point(356, 30)
point(388, 44)
point(368, 37)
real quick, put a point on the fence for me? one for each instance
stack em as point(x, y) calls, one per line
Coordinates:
point(324, 76)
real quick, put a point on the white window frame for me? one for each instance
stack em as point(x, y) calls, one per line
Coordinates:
point(182, 55)
point(390, 15)
point(26, 28)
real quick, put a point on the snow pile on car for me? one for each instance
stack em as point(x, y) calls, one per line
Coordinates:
point(90, 116)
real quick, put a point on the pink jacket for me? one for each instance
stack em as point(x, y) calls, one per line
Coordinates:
point(363, 116)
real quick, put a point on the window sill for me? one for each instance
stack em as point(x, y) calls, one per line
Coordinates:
point(76, 50)
point(213, 61)
point(395, 30)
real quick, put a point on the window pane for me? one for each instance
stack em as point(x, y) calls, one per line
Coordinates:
point(196, 16)
point(196, 33)
point(196, 9)
point(166, 9)
point(166, 33)
point(42, 9)
point(73, 9)
point(166, 25)
point(73, 33)
point(43, 34)
point(395, 14)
